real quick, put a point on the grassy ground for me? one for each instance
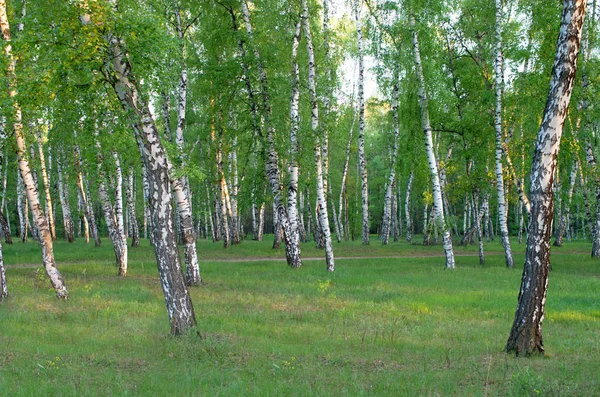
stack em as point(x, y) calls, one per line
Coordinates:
point(397, 325)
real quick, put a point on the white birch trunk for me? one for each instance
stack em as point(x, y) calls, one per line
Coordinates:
point(111, 218)
point(63, 191)
point(119, 214)
point(389, 192)
point(22, 208)
point(433, 168)
point(46, 181)
point(318, 150)
point(235, 238)
point(526, 334)
point(407, 207)
point(135, 231)
point(157, 168)
point(362, 161)
point(345, 175)
point(565, 219)
point(180, 185)
point(293, 254)
point(499, 75)
point(84, 192)
point(3, 283)
point(293, 167)
point(31, 190)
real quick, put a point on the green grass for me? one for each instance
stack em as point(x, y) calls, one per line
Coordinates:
point(385, 326)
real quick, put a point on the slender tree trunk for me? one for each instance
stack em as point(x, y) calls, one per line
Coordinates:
point(111, 216)
point(25, 172)
point(46, 185)
point(235, 219)
point(499, 75)
point(158, 171)
point(135, 231)
point(565, 220)
point(271, 165)
point(526, 334)
point(433, 168)
point(22, 208)
point(407, 208)
point(318, 148)
point(390, 192)
point(345, 175)
point(261, 222)
point(293, 167)
point(63, 190)
point(362, 161)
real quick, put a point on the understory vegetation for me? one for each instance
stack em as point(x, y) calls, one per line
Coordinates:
point(391, 323)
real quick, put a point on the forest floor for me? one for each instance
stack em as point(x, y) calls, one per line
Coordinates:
point(389, 321)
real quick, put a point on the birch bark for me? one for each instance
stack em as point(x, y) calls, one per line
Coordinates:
point(46, 185)
point(565, 219)
point(135, 231)
point(407, 208)
point(389, 192)
point(499, 75)
point(63, 191)
point(318, 148)
point(158, 171)
point(526, 334)
point(438, 206)
point(362, 161)
point(271, 164)
point(25, 171)
point(293, 167)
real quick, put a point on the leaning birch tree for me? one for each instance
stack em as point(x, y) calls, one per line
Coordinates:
point(526, 334)
point(158, 169)
point(24, 168)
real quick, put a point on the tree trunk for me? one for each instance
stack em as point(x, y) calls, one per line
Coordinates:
point(407, 208)
point(157, 168)
point(318, 148)
point(25, 172)
point(345, 176)
point(293, 167)
point(362, 161)
point(63, 191)
point(390, 192)
point(271, 164)
point(111, 217)
point(526, 334)
point(135, 231)
point(46, 185)
point(84, 192)
point(565, 220)
point(433, 168)
point(499, 75)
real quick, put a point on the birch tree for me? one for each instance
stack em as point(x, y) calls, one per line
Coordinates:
point(389, 192)
point(271, 163)
point(526, 334)
point(438, 207)
point(499, 75)
point(24, 168)
point(318, 148)
point(362, 161)
point(158, 171)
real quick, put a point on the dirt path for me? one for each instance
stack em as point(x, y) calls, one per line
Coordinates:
point(309, 259)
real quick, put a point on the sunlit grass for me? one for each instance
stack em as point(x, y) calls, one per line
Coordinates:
point(391, 326)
